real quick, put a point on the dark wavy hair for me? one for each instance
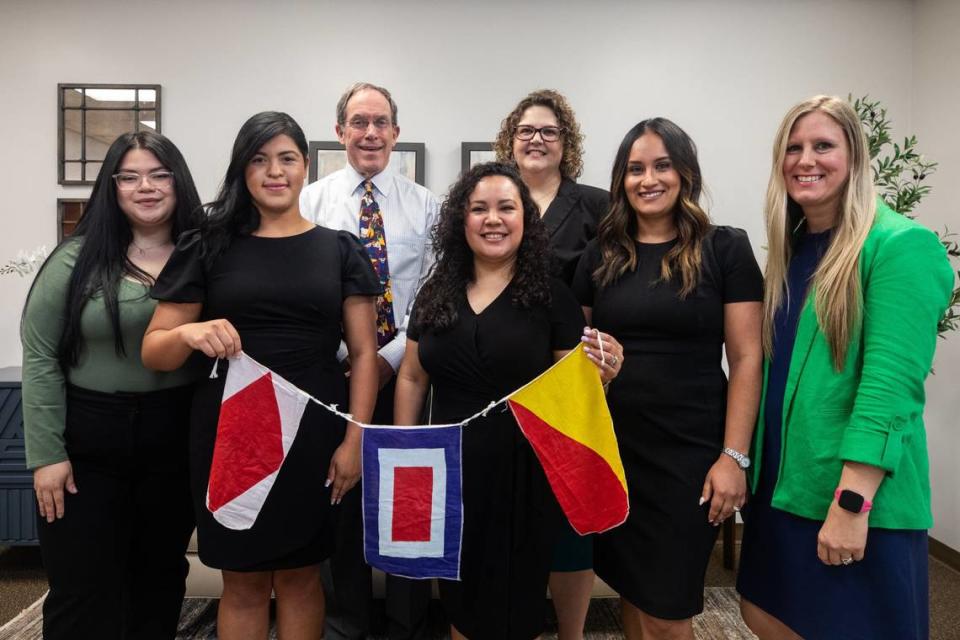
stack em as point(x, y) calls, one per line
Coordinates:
point(106, 236)
point(454, 268)
point(571, 165)
point(233, 212)
point(618, 229)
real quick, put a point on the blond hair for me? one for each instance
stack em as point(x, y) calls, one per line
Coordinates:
point(836, 281)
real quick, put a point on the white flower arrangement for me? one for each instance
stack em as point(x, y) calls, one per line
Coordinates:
point(26, 262)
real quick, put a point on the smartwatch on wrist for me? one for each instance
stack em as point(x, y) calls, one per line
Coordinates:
point(741, 458)
point(852, 501)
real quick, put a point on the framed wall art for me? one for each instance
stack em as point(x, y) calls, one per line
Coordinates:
point(407, 158)
point(91, 116)
point(472, 153)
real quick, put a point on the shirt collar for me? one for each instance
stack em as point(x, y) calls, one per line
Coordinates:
point(382, 182)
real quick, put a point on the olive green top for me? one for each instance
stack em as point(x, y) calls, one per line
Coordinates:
point(99, 368)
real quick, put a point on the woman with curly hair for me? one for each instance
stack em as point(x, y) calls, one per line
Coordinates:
point(542, 138)
point(487, 321)
point(677, 291)
point(841, 492)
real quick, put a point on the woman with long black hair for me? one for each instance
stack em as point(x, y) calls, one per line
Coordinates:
point(259, 272)
point(105, 437)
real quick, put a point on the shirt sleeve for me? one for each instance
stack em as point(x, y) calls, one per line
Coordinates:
point(582, 285)
point(742, 279)
point(905, 294)
point(183, 279)
point(566, 317)
point(392, 352)
point(44, 382)
point(357, 276)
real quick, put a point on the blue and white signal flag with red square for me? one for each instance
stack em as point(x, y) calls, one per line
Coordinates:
point(412, 500)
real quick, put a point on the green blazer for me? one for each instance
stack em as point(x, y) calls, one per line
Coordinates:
point(872, 410)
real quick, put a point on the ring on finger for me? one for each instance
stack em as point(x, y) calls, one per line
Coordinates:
point(613, 361)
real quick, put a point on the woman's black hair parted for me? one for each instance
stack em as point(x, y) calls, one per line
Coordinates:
point(617, 230)
point(233, 212)
point(106, 236)
point(453, 270)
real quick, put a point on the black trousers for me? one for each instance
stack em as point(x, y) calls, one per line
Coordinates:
point(115, 561)
point(348, 586)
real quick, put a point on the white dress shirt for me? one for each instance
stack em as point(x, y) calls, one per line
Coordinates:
point(409, 213)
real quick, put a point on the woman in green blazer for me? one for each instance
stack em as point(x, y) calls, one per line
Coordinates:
point(835, 540)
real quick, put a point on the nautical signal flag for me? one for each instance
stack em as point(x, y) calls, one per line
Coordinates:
point(563, 414)
point(412, 500)
point(259, 417)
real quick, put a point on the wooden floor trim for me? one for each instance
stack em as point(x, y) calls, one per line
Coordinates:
point(945, 554)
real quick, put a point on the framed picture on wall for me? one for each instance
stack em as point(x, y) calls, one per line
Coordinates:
point(69, 212)
point(91, 116)
point(472, 153)
point(407, 158)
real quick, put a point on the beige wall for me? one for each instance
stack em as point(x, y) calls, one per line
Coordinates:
point(935, 105)
point(725, 71)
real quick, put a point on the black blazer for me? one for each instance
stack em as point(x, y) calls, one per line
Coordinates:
point(571, 221)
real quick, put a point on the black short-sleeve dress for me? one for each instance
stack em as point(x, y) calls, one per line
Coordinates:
point(285, 298)
point(668, 406)
point(510, 514)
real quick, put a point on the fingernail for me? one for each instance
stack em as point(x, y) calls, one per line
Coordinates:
point(330, 482)
point(702, 500)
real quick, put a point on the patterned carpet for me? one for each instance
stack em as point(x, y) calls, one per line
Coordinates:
point(198, 621)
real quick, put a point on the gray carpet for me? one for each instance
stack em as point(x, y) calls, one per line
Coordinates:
point(198, 621)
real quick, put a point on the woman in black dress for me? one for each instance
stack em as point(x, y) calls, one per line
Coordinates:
point(489, 320)
point(676, 290)
point(262, 278)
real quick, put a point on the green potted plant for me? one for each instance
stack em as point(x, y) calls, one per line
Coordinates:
point(900, 174)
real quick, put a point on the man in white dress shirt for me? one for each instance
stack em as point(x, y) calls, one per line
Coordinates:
point(367, 127)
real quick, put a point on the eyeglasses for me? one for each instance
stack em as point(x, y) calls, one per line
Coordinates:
point(362, 124)
point(161, 180)
point(547, 134)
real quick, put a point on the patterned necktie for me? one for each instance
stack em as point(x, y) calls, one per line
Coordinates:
point(375, 242)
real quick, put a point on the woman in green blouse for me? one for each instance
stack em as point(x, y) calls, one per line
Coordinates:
point(105, 437)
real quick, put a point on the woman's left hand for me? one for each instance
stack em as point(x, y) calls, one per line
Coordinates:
point(344, 470)
point(610, 360)
point(725, 489)
point(843, 536)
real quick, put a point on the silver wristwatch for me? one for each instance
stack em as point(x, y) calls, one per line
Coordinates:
point(741, 458)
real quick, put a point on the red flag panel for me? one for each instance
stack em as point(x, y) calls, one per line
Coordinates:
point(249, 443)
point(412, 503)
point(588, 490)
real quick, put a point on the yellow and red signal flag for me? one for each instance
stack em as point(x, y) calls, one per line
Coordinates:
point(563, 414)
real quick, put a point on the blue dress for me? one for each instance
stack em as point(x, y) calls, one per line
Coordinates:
point(883, 596)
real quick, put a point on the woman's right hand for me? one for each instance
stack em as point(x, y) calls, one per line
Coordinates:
point(215, 338)
point(49, 481)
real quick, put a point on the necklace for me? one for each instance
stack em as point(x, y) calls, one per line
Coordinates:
point(142, 251)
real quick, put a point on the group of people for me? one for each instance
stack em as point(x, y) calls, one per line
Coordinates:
point(366, 291)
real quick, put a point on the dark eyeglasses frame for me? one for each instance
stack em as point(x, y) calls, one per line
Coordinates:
point(536, 130)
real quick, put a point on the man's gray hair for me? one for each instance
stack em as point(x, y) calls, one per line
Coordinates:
point(353, 90)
